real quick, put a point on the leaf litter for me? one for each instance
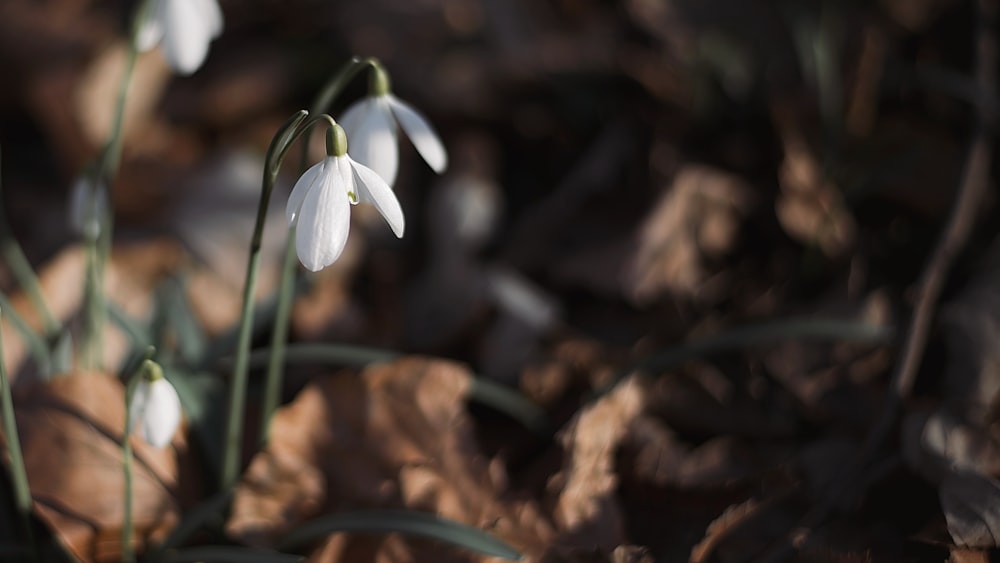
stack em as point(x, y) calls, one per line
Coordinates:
point(626, 184)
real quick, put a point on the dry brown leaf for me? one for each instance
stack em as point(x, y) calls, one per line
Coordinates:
point(959, 555)
point(733, 517)
point(971, 504)
point(811, 208)
point(587, 511)
point(62, 299)
point(70, 431)
point(134, 271)
point(396, 435)
point(972, 329)
point(697, 219)
point(936, 443)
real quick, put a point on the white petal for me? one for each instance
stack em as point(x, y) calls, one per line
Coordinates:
point(151, 30)
point(140, 402)
point(355, 114)
point(375, 191)
point(156, 412)
point(302, 187)
point(186, 35)
point(213, 17)
point(324, 220)
point(421, 134)
point(371, 137)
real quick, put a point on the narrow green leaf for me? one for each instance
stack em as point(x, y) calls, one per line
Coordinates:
point(32, 339)
point(193, 520)
point(408, 523)
point(228, 554)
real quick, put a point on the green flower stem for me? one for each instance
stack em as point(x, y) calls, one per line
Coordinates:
point(98, 249)
point(21, 268)
point(286, 289)
point(22, 493)
point(237, 386)
point(34, 342)
point(148, 368)
point(128, 551)
point(279, 338)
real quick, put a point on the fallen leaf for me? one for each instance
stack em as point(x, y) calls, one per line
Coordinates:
point(971, 326)
point(971, 504)
point(70, 430)
point(811, 208)
point(698, 219)
point(587, 511)
point(396, 435)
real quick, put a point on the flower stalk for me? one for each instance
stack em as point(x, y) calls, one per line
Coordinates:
point(236, 402)
point(98, 245)
point(279, 334)
point(19, 476)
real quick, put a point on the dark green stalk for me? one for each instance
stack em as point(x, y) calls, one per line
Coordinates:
point(21, 268)
point(237, 386)
point(286, 289)
point(98, 248)
point(19, 476)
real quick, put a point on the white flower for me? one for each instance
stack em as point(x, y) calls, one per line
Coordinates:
point(184, 27)
point(372, 126)
point(156, 411)
point(320, 207)
point(88, 208)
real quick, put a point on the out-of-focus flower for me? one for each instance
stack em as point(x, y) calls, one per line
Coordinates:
point(184, 28)
point(372, 125)
point(156, 409)
point(320, 204)
point(88, 208)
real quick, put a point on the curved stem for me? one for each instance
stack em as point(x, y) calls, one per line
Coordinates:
point(286, 289)
point(237, 386)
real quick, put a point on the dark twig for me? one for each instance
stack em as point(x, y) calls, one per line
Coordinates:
point(969, 200)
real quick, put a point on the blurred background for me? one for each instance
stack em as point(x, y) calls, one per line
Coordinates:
point(624, 176)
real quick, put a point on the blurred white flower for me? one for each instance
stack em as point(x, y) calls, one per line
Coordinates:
point(372, 125)
point(320, 207)
point(184, 28)
point(88, 208)
point(156, 411)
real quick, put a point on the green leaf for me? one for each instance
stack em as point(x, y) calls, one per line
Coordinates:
point(228, 554)
point(194, 519)
point(408, 523)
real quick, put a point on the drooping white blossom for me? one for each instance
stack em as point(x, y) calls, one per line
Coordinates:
point(156, 411)
point(372, 124)
point(320, 207)
point(183, 28)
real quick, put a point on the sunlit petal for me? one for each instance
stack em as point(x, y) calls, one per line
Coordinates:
point(151, 30)
point(324, 221)
point(371, 138)
point(156, 412)
point(374, 190)
point(302, 187)
point(421, 134)
point(213, 17)
point(186, 35)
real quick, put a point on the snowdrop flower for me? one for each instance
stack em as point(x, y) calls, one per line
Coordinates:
point(156, 409)
point(320, 203)
point(184, 28)
point(372, 126)
point(88, 207)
